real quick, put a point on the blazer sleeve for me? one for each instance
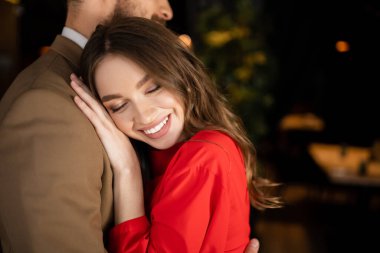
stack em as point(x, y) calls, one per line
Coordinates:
point(190, 214)
point(51, 166)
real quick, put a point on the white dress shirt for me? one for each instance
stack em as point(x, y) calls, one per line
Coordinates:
point(75, 36)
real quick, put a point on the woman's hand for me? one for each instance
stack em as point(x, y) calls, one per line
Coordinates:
point(118, 147)
point(128, 192)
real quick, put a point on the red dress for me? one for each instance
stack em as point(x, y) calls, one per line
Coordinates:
point(200, 202)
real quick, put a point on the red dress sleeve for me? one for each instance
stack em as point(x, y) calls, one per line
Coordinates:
point(190, 207)
point(130, 236)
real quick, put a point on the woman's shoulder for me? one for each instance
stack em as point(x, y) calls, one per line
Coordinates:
point(209, 144)
point(212, 137)
point(209, 151)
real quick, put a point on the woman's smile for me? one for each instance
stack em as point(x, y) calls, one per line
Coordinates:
point(159, 130)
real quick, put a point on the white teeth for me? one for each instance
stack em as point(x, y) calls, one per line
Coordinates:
point(157, 128)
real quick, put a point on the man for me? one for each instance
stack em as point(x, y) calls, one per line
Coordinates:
point(55, 178)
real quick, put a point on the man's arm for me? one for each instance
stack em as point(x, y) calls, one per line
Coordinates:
point(51, 166)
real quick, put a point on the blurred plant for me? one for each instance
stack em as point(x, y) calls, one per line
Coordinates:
point(232, 46)
point(13, 1)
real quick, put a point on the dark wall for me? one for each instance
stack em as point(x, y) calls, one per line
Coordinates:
point(40, 22)
point(340, 87)
point(9, 41)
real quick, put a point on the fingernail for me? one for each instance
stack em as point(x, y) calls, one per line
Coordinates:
point(73, 76)
point(255, 243)
point(77, 99)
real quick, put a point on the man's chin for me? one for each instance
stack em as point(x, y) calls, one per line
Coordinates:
point(158, 20)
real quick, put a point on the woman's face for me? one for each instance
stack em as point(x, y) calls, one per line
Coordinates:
point(139, 107)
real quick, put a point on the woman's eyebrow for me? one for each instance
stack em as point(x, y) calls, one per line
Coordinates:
point(142, 81)
point(107, 98)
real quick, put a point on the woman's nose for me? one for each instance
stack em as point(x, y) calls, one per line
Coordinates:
point(144, 114)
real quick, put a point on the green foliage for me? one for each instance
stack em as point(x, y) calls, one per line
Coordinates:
point(232, 46)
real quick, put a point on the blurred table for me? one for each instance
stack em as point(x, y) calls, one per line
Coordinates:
point(348, 165)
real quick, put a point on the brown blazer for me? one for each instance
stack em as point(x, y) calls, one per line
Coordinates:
point(55, 177)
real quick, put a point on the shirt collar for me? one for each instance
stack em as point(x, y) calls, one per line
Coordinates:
point(74, 36)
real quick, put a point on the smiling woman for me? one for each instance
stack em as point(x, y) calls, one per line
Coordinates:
point(154, 90)
point(137, 104)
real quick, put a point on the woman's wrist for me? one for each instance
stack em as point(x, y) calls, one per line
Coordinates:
point(126, 171)
point(128, 194)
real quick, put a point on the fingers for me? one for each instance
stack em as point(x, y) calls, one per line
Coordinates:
point(93, 110)
point(90, 114)
point(85, 95)
point(76, 79)
point(253, 246)
point(79, 87)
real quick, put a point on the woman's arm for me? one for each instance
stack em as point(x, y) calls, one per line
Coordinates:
point(128, 188)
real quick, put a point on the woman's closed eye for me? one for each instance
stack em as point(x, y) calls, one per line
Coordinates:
point(117, 107)
point(152, 88)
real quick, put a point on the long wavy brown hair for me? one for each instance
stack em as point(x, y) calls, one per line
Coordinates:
point(172, 65)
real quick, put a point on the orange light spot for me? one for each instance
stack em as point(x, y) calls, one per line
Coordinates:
point(342, 46)
point(44, 49)
point(186, 40)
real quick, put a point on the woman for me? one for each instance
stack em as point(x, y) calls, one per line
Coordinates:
point(155, 91)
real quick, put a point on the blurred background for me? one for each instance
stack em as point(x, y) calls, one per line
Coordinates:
point(302, 75)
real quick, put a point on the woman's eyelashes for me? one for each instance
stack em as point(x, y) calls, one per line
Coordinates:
point(118, 107)
point(152, 88)
point(121, 106)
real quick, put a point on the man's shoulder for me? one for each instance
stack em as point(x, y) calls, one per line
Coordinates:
point(41, 104)
point(49, 74)
point(51, 69)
